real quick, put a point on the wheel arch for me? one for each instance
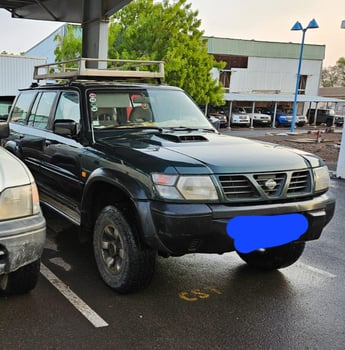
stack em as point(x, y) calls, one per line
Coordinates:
point(107, 187)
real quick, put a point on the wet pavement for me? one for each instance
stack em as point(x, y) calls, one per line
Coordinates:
point(194, 302)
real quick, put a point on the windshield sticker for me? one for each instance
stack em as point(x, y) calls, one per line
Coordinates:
point(93, 102)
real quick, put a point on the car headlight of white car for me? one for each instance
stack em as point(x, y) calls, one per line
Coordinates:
point(185, 187)
point(321, 178)
point(19, 201)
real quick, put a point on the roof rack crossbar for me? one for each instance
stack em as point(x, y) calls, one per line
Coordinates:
point(91, 68)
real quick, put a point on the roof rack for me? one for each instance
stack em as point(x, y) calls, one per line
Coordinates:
point(94, 68)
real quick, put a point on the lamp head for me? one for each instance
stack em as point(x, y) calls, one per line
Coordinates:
point(297, 26)
point(312, 24)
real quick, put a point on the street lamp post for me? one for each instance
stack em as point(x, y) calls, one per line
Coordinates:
point(298, 26)
point(340, 171)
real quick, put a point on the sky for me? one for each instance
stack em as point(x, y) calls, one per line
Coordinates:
point(262, 20)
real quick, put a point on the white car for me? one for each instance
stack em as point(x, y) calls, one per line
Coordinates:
point(22, 225)
point(259, 119)
point(301, 120)
point(239, 116)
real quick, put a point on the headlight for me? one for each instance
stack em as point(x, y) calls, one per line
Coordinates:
point(185, 187)
point(321, 178)
point(19, 201)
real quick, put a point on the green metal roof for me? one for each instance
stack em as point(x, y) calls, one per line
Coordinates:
point(253, 48)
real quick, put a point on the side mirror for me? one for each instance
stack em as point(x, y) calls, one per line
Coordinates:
point(4, 130)
point(65, 127)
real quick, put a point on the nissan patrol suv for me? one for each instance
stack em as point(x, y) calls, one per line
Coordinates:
point(142, 172)
point(22, 225)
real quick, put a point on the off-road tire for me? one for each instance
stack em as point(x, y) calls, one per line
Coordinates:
point(274, 258)
point(122, 262)
point(20, 281)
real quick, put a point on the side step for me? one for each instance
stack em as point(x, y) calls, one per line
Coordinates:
point(62, 209)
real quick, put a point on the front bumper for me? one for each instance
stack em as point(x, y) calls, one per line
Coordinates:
point(21, 242)
point(177, 229)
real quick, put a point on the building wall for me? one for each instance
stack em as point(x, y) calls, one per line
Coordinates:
point(46, 47)
point(269, 69)
point(274, 75)
point(335, 92)
point(16, 72)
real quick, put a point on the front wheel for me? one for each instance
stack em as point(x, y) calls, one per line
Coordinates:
point(274, 258)
point(20, 281)
point(122, 263)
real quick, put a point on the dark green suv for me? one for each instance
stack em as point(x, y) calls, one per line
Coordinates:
point(141, 171)
point(324, 116)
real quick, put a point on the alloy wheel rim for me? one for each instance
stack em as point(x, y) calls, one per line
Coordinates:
point(112, 248)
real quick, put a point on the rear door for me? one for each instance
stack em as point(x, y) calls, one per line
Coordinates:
point(53, 159)
point(61, 176)
point(28, 121)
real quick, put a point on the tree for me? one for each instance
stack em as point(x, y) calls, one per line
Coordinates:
point(69, 45)
point(334, 76)
point(164, 31)
point(167, 31)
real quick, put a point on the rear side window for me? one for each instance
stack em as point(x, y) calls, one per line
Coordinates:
point(41, 110)
point(22, 106)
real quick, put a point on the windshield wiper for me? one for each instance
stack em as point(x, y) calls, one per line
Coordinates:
point(186, 128)
point(122, 132)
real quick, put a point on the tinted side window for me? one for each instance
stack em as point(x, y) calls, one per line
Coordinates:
point(68, 106)
point(41, 110)
point(22, 107)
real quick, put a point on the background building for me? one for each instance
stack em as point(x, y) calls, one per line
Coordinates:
point(265, 73)
point(258, 73)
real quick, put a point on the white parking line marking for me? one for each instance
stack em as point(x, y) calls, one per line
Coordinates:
point(79, 304)
point(315, 269)
point(60, 262)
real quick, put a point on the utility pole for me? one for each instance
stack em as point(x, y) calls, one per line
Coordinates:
point(341, 158)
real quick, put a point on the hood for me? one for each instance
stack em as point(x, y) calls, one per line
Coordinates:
point(12, 171)
point(196, 152)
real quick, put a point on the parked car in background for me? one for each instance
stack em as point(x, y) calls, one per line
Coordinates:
point(22, 225)
point(301, 120)
point(259, 118)
point(240, 117)
point(339, 120)
point(5, 105)
point(324, 116)
point(284, 117)
point(218, 119)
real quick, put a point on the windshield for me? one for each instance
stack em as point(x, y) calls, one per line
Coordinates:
point(156, 108)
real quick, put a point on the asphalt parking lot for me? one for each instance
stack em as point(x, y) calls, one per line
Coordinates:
point(195, 302)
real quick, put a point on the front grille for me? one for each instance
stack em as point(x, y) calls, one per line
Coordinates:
point(300, 182)
point(237, 186)
point(265, 186)
point(271, 184)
